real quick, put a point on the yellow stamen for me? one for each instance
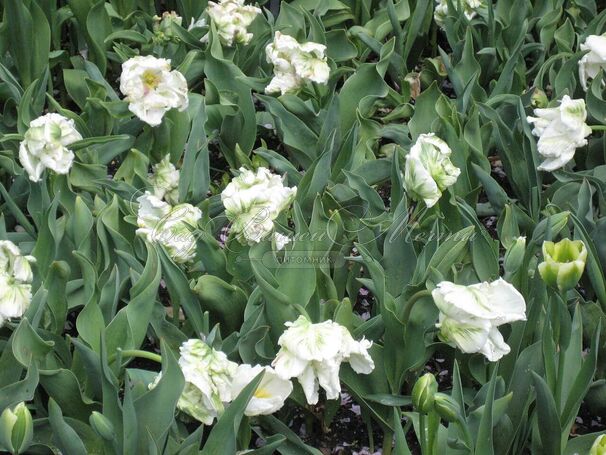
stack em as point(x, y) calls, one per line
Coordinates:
point(151, 79)
point(262, 393)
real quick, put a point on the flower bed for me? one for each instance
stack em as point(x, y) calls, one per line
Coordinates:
point(302, 227)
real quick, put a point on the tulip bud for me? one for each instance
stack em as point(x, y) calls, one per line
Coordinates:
point(16, 429)
point(514, 256)
point(102, 426)
point(446, 407)
point(423, 393)
point(563, 263)
point(539, 99)
point(599, 446)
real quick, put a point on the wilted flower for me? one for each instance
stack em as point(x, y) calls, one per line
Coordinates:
point(470, 8)
point(423, 393)
point(45, 145)
point(295, 63)
point(280, 241)
point(313, 353)
point(163, 25)
point(428, 170)
point(152, 89)
point(15, 279)
point(169, 226)
point(253, 201)
point(208, 380)
point(560, 130)
point(564, 263)
point(16, 429)
point(599, 446)
point(271, 393)
point(469, 315)
point(165, 181)
point(232, 18)
point(594, 60)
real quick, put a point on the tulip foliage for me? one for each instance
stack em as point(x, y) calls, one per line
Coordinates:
point(224, 222)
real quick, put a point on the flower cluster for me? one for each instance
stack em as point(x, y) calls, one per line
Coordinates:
point(165, 181)
point(429, 171)
point(470, 9)
point(313, 353)
point(253, 200)
point(45, 145)
point(152, 89)
point(561, 130)
point(15, 281)
point(594, 60)
point(470, 315)
point(232, 18)
point(295, 63)
point(169, 226)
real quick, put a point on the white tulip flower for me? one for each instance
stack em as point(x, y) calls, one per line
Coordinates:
point(232, 18)
point(165, 181)
point(470, 315)
point(15, 297)
point(470, 8)
point(295, 63)
point(313, 353)
point(428, 170)
point(561, 130)
point(594, 60)
point(45, 145)
point(169, 226)
point(208, 380)
point(152, 89)
point(15, 278)
point(271, 393)
point(13, 263)
point(253, 200)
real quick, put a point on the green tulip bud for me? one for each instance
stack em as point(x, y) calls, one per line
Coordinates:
point(102, 426)
point(423, 393)
point(514, 256)
point(599, 446)
point(563, 263)
point(16, 429)
point(539, 99)
point(447, 408)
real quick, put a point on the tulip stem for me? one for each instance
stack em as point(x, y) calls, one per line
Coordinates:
point(423, 435)
point(598, 127)
point(137, 353)
point(302, 310)
point(387, 442)
point(411, 303)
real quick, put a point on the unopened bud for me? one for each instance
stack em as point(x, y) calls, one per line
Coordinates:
point(447, 408)
point(423, 393)
point(599, 446)
point(16, 429)
point(539, 99)
point(514, 256)
point(564, 263)
point(102, 426)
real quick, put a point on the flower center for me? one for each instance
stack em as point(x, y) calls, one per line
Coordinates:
point(150, 79)
point(261, 393)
